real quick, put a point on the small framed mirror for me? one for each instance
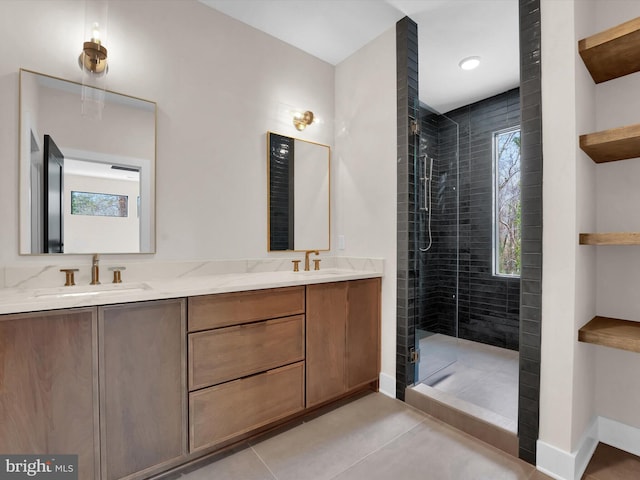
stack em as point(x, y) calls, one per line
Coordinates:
point(87, 183)
point(298, 201)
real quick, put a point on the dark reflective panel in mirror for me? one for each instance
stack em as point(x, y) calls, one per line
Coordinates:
point(298, 202)
point(76, 171)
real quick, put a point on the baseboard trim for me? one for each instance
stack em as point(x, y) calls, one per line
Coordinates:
point(387, 385)
point(562, 465)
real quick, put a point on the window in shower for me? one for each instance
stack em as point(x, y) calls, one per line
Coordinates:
point(507, 206)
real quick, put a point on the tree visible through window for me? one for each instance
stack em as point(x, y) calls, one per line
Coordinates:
point(99, 204)
point(508, 209)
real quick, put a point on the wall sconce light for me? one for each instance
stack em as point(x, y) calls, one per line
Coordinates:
point(469, 63)
point(301, 120)
point(94, 55)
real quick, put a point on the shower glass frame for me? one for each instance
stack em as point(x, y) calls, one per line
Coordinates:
point(436, 272)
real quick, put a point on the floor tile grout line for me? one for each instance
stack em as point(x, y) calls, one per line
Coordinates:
point(263, 462)
point(379, 448)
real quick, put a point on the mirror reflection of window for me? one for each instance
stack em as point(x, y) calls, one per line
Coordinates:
point(124, 138)
point(96, 204)
point(99, 212)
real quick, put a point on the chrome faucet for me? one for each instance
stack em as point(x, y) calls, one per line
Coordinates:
point(95, 270)
point(306, 258)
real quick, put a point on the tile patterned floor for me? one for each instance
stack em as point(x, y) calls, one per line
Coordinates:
point(373, 437)
point(483, 375)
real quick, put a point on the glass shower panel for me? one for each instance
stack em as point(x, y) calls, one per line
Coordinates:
point(437, 243)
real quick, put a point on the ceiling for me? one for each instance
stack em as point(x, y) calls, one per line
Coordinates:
point(448, 30)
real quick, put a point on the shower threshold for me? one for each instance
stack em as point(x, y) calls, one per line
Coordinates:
point(476, 391)
point(479, 422)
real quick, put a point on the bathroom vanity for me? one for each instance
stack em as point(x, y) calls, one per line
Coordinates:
point(140, 387)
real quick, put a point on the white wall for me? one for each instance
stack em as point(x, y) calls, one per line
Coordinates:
point(559, 223)
point(585, 304)
point(580, 382)
point(122, 130)
point(618, 196)
point(219, 84)
point(365, 162)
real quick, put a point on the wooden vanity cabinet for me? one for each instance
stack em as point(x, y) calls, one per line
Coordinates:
point(49, 385)
point(363, 332)
point(143, 414)
point(136, 389)
point(343, 338)
point(326, 346)
point(246, 355)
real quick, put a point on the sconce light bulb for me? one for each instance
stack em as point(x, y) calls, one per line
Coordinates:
point(95, 32)
point(301, 120)
point(93, 57)
point(469, 63)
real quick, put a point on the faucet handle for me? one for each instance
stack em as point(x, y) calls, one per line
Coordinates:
point(117, 277)
point(69, 276)
point(296, 265)
point(316, 263)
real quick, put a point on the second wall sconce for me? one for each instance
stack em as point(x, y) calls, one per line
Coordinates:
point(302, 120)
point(94, 55)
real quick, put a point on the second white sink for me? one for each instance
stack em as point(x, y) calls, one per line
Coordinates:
point(90, 290)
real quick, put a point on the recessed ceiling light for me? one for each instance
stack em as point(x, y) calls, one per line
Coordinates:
point(469, 63)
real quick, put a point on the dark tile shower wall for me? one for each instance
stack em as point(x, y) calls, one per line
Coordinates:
point(531, 276)
point(408, 110)
point(437, 267)
point(488, 305)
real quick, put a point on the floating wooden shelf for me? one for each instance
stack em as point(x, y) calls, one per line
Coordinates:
point(612, 53)
point(610, 145)
point(612, 332)
point(612, 238)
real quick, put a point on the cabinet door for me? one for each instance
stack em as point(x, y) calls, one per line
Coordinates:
point(142, 387)
point(326, 331)
point(363, 332)
point(48, 386)
point(218, 414)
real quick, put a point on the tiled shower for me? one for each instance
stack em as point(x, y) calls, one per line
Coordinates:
point(531, 198)
point(454, 277)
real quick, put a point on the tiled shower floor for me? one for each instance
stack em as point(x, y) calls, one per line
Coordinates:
point(482, 375)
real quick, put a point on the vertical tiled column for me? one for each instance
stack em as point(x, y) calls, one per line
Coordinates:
point(531, 274)
point(408, 109)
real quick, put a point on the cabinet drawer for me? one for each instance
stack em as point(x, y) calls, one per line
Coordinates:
point(225, 309)
point(224, 354)
point(222, 412)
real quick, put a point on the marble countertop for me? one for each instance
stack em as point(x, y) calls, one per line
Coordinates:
point(20, 299)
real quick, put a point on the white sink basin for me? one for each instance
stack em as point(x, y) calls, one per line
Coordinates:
point(91, 290)
point(321, 273)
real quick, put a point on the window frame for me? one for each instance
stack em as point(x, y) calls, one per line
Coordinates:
point(495, 201)
point(117, 195)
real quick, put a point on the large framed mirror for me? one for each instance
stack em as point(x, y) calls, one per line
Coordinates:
point(87, 182)
point(299, 194)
